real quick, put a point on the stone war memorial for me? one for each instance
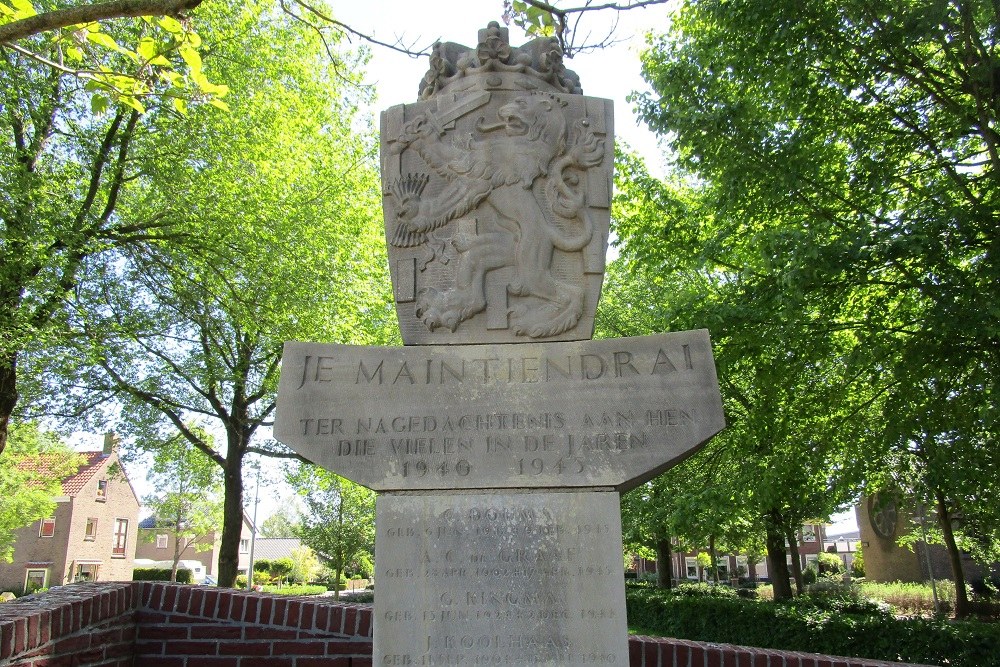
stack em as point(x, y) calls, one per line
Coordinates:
point(501, 435)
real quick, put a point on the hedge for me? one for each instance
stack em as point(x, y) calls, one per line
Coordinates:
point(804, 625)
point(184, 575)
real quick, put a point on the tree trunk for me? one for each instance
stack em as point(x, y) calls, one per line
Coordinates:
point(232, 518)
point(8, 395)
point(777, 564)
point(793, 545)
point(664, 563)
point(715, 558)
point(954, 556)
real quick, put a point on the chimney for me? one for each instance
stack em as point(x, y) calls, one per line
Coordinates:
point(110, 443)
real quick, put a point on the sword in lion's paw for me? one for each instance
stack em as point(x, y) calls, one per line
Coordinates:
point(440, 121)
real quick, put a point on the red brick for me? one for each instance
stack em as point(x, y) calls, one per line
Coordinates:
point(217, 632)
point(236, 609)
point(254, 632)
point(168, 661)
point(343, 647)
point(184, 599)
point(328, 662)
point(361, 662)
point(20, 635)
point(266, 662)
point(266, 609)
point(651, 654)
point(313, 647)
point(365, 622)
point(121, 650)
point(197, 601)
point(33, 623)
point(163, 632)
point(6, 639)
point(148, 617)
point(252, 608)
point(144, 648)
point(91, 656)
point(634, 651)
point(294, 612)
point(111, 636)
point(72, 644)
point(169, 599)
point(211, 603)
point(207, 647)
point(53, 661)
point(245, 648)
point(280, 609)
point(206, 661)
point(225, 604)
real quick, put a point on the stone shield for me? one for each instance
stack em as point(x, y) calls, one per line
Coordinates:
point(497, 209)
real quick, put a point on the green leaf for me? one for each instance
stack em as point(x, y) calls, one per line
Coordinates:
point(180, 105)
point(191, 57)
point(216, 102)
point(146, 48)
point(99, 103)
point(171, 25)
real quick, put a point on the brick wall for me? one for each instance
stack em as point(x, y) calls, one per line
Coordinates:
point(148, 624)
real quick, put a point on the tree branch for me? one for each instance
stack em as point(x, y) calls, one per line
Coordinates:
point(88, 13)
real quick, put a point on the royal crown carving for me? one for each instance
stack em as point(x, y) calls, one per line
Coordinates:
point(539, 63)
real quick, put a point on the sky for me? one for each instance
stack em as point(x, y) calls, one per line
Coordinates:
point(611, 72)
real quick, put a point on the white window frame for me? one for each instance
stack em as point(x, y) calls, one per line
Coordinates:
point(45, 577)
point(47, 521)
point(162, 541)
point(690, 562)
point(102, 490)
point(119, 547)
point(722, 567)
point(90, 533)
point(244, 545)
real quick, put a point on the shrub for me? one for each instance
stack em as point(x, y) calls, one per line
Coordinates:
point(809, 575)
point(703, 589)
point(293, 589)
point(184, 575)
point(804, 625)
point(830, 565)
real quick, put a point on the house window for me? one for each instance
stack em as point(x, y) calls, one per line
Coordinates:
point(86, 572)
point(691, 564)
point(102, 489)
point(723, 565)
point(121, 538)
point(47, 527)
point(808, 535)
point(244, 546)
point(35, 580)
point(161, 541)
point(91, 534)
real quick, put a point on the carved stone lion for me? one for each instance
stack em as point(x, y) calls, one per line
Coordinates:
point(519, 168)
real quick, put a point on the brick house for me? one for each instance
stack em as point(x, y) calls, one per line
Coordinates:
point(90, 535)
point(157, 544)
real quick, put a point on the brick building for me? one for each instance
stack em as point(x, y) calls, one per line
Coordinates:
point(157, 544)
point(90, 535)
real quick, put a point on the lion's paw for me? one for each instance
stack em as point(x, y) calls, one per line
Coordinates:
point(446, 309)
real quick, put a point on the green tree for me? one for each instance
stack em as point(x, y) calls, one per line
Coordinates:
point(280, 524)
point(283, 195)
point(186, 502)
point(31, 472)
point(798, 389)
point(859, 141)
point(339, 520)
point(305, 565)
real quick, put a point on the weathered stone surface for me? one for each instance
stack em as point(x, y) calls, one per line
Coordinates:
point(496, 194)
point(608, 413)
point(499, 579)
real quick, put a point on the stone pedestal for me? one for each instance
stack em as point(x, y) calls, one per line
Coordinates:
point(499, 579)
